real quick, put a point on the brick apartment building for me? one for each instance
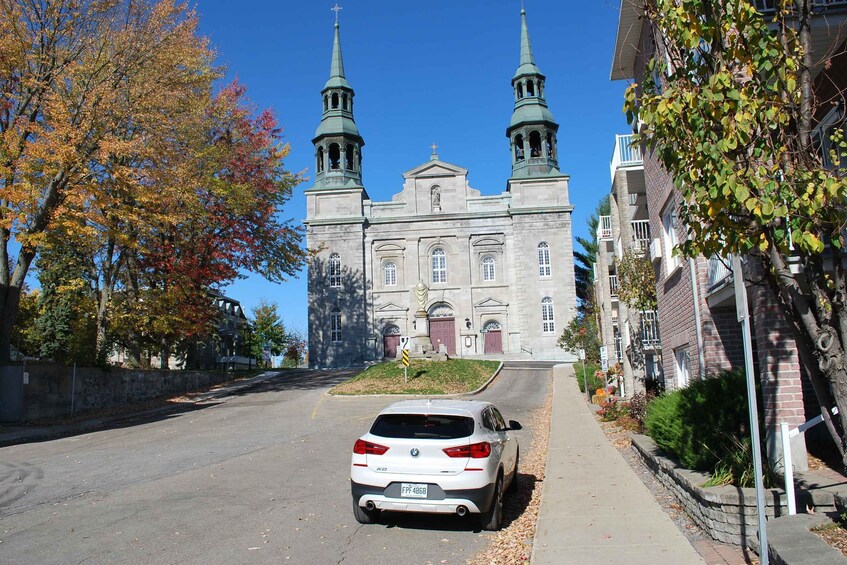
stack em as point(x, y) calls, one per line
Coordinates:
point(700, 334)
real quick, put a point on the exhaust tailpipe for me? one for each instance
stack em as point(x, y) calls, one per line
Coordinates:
point(370, 505)
point(461, 510)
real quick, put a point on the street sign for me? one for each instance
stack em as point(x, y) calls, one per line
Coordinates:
point(404, 342)
point(406, 357)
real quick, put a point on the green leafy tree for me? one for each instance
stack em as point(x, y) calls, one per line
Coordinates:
point(581, 333)
point(727, 105)
point(296, 349)
point(585, 259)
point(636, 281)
point(268, 329)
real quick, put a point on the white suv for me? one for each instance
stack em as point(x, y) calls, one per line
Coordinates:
point(441, 456)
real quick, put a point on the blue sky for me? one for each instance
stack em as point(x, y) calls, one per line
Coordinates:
point(423, 72)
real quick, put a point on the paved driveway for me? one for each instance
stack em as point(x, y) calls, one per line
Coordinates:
point(257, 477)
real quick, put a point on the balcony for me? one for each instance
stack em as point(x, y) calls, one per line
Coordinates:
point(650, 330)
point(770, 5)
point(613, 285)
point(619, 349)
point(640, 235)
point(626, 154)
point(604, 228)
point(720, 271)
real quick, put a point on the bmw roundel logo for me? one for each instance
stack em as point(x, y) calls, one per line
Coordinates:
point(415, 452)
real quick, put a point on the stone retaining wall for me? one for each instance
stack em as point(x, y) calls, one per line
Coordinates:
point(48, 393)
point(728, 514)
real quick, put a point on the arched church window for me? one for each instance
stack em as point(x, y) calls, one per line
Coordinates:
point(519, 147)
point(334, 157)
point(334, 268)
point(349, 157)
point(534, 144)
point(520, 91)
point(326, 103)
point(551, 147)
point(344, 101)
point(334, 100)
point(439, 266)
point(488, 268)
point(390, 271)
point(530, 88)
point(544, 259)
point(335, 325)
point(548, 325)
point(320, 159)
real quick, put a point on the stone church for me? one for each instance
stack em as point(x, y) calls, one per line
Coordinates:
point(498, 270)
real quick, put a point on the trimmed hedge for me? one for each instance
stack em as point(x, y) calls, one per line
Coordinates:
point(702, 423)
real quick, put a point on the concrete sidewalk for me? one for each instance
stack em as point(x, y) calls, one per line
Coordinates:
point(594, 508)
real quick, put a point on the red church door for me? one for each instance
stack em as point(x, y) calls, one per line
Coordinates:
point(443, 330)
point(493, 342)
point(391, 343)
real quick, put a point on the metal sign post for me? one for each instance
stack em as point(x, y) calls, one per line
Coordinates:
point(584, 378)
point(744, 317)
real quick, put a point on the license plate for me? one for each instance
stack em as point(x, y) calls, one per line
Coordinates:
point(412, 490)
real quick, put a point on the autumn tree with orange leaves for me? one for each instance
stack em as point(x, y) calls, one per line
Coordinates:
point(112, 141)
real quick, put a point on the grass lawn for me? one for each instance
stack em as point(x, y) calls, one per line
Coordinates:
point(425, 377)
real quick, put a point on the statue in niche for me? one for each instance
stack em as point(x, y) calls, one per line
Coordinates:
point(422, 293)
point(436, 198)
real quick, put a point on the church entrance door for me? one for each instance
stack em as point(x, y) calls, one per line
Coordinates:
point(493, 342)
point(443, 330)
point(391, 341)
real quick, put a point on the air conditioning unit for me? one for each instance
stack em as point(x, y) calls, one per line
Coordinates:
point(656, 250)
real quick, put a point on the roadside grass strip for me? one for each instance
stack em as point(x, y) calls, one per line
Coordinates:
point(454, 376)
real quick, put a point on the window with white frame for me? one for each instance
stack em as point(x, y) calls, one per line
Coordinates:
point(682, 367)
point(335, 325)
point(390, 273)
point(547, 323)
point(439, 266)
point(544, 259)
point(334, 270)
point(488, 268)
point(669, 236)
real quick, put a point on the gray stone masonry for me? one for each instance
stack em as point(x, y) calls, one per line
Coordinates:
point(728, 514)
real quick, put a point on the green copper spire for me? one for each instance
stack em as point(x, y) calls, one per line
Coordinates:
point(338, 144)
point(336, 68)
point(532, 129)
point(527, 66)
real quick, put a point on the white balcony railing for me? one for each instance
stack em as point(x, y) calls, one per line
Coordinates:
point(619, 349)
point(604, 228)
point(640, 235)
point(719, 271)
point(626, 154)
point(650, 330)
point(613, 285)
point(770, 5)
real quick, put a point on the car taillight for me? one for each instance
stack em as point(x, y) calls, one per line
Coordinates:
point(362, 447)
point(474, 451)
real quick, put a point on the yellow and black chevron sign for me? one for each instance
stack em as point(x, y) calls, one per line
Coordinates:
point(406, 357)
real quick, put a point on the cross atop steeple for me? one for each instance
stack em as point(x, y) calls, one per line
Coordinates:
point(336, 9)
point(434, 155)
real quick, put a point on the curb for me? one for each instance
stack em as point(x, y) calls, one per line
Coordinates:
point(790, 542)
point(409, 395)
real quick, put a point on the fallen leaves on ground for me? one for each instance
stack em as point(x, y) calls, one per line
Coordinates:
point(513, 544)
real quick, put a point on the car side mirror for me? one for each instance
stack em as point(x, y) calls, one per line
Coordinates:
point(515, 425)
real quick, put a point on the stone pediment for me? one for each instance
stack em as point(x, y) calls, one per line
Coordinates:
point(391, 307)
point(487, 240)
point(389, 248)
point(490, 303)
point(435, 168)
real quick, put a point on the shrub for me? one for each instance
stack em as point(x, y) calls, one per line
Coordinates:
point(638, 406)
point(594, 382)
point(612, 410)
point(701, 423)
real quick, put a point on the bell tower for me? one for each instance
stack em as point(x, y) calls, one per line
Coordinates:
point(532, 130)
point(338, 145)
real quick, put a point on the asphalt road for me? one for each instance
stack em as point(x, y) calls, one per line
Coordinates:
point(261, 476)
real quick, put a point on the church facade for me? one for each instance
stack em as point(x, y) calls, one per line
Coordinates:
point(498, 269)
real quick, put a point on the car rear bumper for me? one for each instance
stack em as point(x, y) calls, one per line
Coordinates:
point(438, 501)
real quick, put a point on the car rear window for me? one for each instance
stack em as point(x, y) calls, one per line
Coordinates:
point(422, 426)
